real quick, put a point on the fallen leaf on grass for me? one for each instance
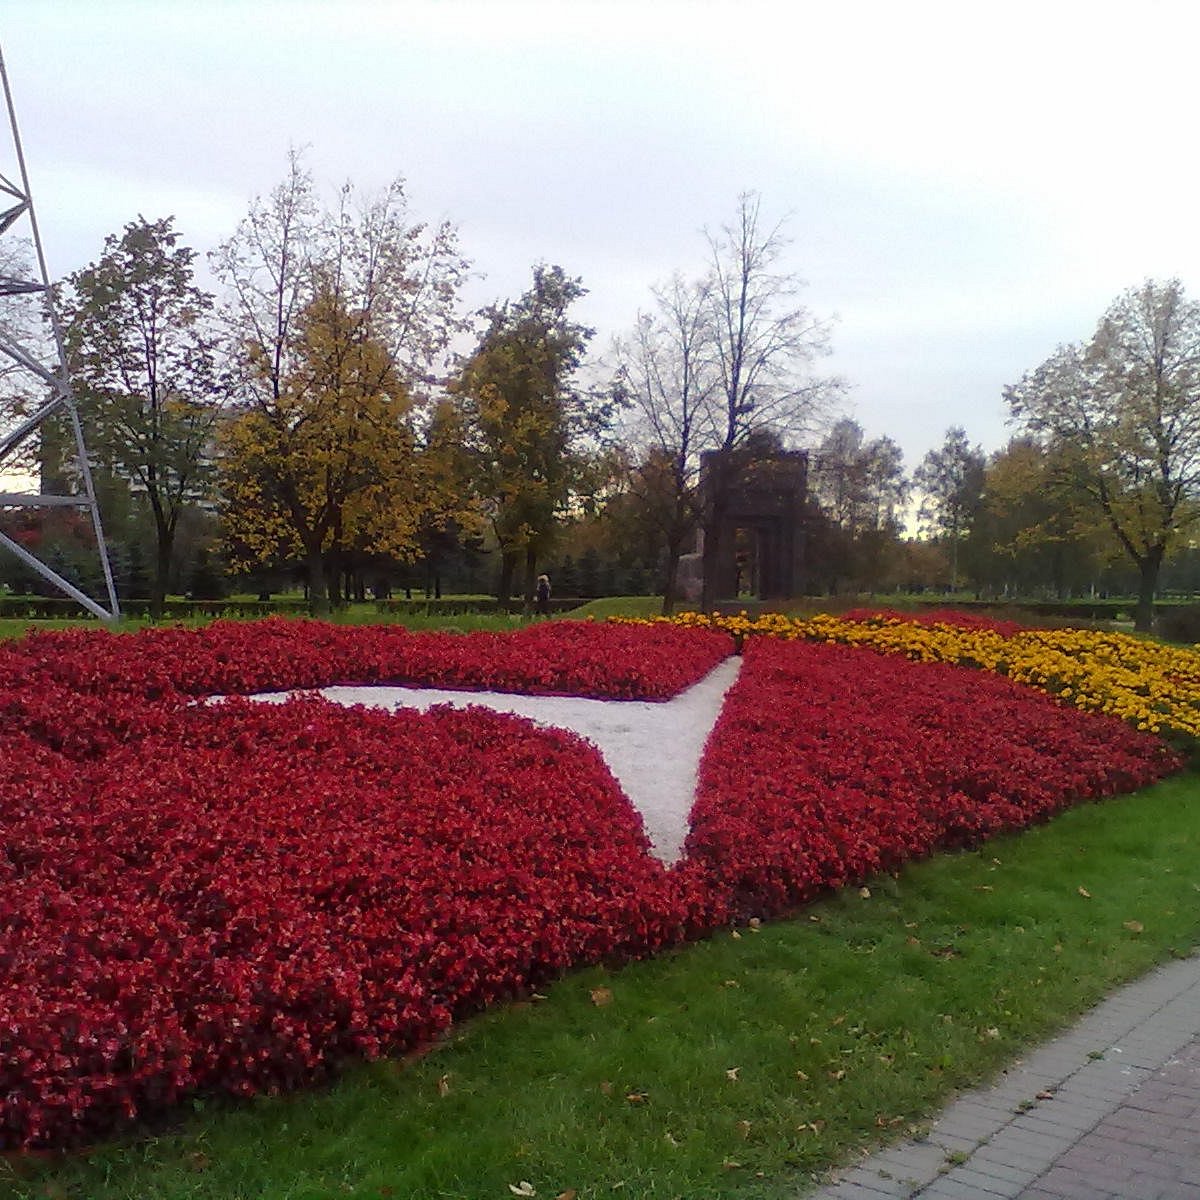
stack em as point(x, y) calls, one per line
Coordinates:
point(606, 1087)
point(601, 996)
point(444, 1085)
point(732, 1073)
point(743, 1127)
point(524, 1188)
point(1085, 893)
point(802, 1076)
point(730, 1165)
point(1134, 926)
point(569, 1194)
point(637, 1097)
point(865, 893)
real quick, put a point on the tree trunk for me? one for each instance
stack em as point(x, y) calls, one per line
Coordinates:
point(162, 570)
point(530, 579)
point(1148, 567)
point(318, 584)
point(508, 568)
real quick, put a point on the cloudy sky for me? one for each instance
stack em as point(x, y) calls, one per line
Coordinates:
point(965, 185)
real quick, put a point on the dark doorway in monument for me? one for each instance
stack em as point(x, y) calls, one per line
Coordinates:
point(747, 564)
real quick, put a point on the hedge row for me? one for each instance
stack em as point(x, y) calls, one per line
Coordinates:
point(63, 608)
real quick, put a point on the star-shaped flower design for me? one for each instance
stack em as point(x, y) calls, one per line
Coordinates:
point(652, 748)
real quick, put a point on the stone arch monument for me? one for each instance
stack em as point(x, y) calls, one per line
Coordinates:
point(754, 540)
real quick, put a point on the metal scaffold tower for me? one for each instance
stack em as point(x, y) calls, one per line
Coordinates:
point(29, 360)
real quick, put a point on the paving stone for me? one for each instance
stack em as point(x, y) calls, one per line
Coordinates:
point(1125, 1126)
point(971, 1182)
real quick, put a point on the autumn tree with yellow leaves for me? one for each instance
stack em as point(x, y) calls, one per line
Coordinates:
point(330, 465)
point(341, 319)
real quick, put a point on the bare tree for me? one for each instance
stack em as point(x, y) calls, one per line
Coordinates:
point(765, 345)
point(667, 372)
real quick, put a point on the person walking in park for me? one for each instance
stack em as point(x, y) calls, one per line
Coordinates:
point(542, 595)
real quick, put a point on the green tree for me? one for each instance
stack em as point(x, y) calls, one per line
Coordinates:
point(860, 486)
point(140, 345)
point(1031, 534)
point(950, 480)
point(1128, 403)
point(531, 422)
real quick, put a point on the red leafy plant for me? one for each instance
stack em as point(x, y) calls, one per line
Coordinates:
point(830, 763)
point(237, 897)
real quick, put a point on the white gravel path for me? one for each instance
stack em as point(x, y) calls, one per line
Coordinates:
point(653, 749)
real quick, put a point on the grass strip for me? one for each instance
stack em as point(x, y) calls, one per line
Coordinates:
point(743, 1066)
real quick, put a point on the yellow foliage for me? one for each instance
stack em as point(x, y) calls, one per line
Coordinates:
point(330, 463)
point(1152, 686)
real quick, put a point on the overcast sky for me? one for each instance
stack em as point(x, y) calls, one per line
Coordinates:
point(965, 185)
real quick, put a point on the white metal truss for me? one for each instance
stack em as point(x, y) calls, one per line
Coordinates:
point(54, 377)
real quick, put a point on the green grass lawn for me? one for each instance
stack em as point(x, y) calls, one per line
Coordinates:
point(742, 1066)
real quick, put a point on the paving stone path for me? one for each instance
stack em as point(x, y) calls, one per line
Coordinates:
point(1108, 1111)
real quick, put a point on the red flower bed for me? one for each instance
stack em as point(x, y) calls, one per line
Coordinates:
point(250, 893)
point(830, 763)
point(938, 616)
point(235, 897)
point(574, 658)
